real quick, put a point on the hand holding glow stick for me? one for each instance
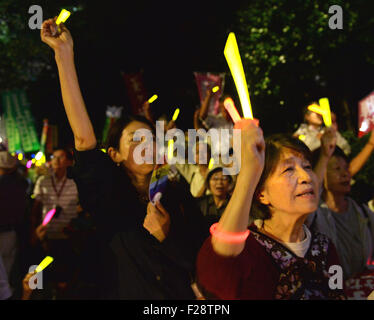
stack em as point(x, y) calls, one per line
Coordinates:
point(323, 109)
point(234, 61)
point(230, 107)
point(62, 17)
point(45, 263)
point(49, 216)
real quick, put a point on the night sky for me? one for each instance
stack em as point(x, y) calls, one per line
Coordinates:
point(168, 41)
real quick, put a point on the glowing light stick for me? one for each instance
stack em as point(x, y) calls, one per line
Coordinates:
point(323, 109)
point(39, 155)
point(44, 264)
point(153, 98)
point(230, 107)
point(170, 149)
point(176, 114)
point(49, 216)
point(234, 61)
point(63, 16)
point(230, 237)
point(20, 156)
point(211, 163)
point(215, 89)
point(29, 164)
point(302, 137)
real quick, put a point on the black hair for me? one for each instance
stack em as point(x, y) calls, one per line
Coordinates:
point(338, 152)
point(115, 131)
point(274, 145)
point(210, 174)
point(68, 152)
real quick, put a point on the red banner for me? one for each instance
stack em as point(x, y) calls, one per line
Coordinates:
point(210, 80)
point(136, 91)
point(366, 115)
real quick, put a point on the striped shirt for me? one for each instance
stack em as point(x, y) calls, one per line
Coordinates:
point(68, 201)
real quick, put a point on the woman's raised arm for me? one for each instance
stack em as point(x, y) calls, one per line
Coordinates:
point(62, 45)
point(236, 215)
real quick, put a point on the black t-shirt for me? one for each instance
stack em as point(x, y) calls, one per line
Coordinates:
point(132, 263)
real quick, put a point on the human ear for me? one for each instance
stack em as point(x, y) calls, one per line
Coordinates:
point(263, 198)
point(114, 155)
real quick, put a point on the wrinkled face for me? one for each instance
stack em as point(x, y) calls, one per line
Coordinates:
point(59, 160)
point(129, 155)
point(314, 118)
point(219, 184)
point(338, 178)
point(292, 188)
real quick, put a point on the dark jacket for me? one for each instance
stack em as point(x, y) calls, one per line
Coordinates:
point(132, 263)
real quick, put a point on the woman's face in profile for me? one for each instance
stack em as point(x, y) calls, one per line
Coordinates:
point(133, 152)
point(338, 178)
point(292, 188)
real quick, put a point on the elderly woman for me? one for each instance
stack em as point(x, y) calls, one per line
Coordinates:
point(146, 251)
point(281, 258)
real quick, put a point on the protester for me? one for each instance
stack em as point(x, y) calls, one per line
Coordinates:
point(147, 250)
point(213, 205)
point(195, 174)
point(281, 258)
point(55, 191)
point(310, 132)
point(13, 202)
point(348, 224)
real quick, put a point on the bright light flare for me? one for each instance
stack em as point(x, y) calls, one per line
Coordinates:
point(63, 16)
point(230, 107)
point(234, 61)
point(215, 89)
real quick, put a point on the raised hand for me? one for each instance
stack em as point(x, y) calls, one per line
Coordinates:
point(157, 221)
point(58, 41)
point(252, 146)
point(328, 142)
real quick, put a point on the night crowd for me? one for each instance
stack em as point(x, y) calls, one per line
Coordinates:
point(283, 228)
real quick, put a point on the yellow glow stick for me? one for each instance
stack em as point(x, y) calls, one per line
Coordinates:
point(211, 163)
point(153, 98)
point(63, 16)
point(103, 150)
point(45, 263)
point(302, 137)
point(215, 89)
point(323, 109)
point(234, 61)
point(176, 114)
point(20, 156)
point(170, 149)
